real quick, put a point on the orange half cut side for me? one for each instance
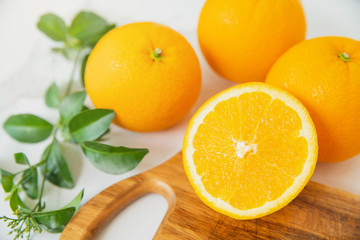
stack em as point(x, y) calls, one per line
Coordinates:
point(250, 150)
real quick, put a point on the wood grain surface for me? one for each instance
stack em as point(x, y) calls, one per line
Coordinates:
point(319, 212)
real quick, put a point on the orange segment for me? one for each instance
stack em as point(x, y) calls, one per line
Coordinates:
point(250, 150)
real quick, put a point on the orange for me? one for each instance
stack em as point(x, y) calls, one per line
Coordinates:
point(241, 39)
point(147, 73)
point(250, 150)
point(324, 74)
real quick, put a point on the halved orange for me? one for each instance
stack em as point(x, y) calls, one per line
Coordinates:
point(250, 150)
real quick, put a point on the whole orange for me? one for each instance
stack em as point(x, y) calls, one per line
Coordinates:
point(241, 39)
point(324, 74)
point(147, 73)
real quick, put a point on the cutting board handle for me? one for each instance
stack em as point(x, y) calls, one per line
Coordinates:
point(99, 210)
point(319, 212)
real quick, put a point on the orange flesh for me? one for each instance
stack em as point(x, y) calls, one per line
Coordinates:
point(249, 150)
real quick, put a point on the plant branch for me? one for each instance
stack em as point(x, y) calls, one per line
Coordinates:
point(46, 157)
point(54, 27)
point(71, 80)
point(38, 204)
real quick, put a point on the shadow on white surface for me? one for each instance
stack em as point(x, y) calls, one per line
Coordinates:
point(342, 175)
point(144, 215)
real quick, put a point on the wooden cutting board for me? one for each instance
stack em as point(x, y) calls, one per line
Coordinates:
point(319, 212)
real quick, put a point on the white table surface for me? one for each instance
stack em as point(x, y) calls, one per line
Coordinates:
point(28, 67)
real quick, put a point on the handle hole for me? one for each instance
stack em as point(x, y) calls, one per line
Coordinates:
point(139, 220)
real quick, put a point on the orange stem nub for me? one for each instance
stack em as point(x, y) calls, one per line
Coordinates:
point(156, 54)
point(344, 56)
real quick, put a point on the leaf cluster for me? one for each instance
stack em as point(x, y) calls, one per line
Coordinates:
point(80, 36)
point(84, 31)
point(77, 124)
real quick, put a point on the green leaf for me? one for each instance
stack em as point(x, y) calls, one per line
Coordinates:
point(101, 138)
point(30, 183)
point(65, 133)
point(54, 221)
point(83, 65)
point(25, 210)
point(96, 38)
point(28, 128)
point(71, 106)
point(73, 43)
point(84, 108)
point(91, 124)
point(86, 27)
point(42, 206)
point(20, 158)
point(75, 202)
point(16, 202)
point(113, 160)
point(52, 96)
point(53, 26)
point(57, 170)
point(6, 180)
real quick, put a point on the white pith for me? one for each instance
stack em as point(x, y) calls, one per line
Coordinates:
point(244, 148)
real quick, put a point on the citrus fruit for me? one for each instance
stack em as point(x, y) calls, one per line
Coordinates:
point(147, 73)
point(242, 39)
point(250, 150)
point(324, 74)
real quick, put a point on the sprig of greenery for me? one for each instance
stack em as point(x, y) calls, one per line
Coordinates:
point(24, 223)
point(77, 124)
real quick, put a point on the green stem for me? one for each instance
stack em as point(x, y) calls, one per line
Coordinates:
point(17, 173)
point(7, 218)
point(71, 80)
point(22, 224)
point(344, 56)
point(44, 161)
point(38, 204)
point(156, 54)
point(29, 235)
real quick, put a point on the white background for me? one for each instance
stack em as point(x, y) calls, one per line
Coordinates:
point(28, 67)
